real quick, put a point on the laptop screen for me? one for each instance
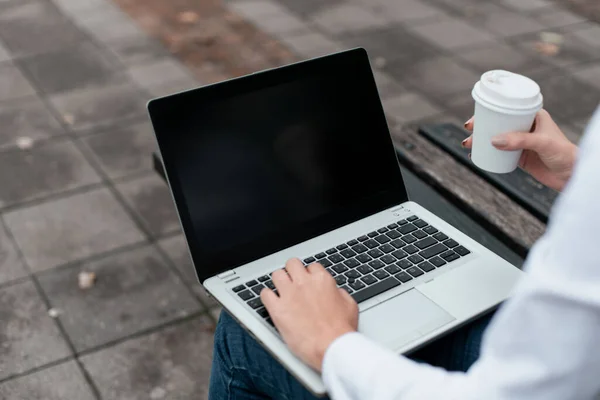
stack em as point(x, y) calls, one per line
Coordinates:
point(264, 162)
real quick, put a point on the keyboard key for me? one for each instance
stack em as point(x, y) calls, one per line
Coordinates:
point(255, 303)
point(339, 268)
point(425, 243)
point(392, 226)
point(387, 248)
point(408, 228)
point(392, 269)
point(414, 271)
point(419, 234)
point(357, 285)
point(375, 289)
point(412, 218)
point(352, 274)
point(320, 255)
point(426, 266)
point(460, 250)
point(393, 234)
point(246, 295)
point(309, 260)
point(364, 269)
point(409, 239)
point(381, 274)
point(351, 263)
point(372, 234)
point(420, 223)
point(340, 279)
point(336, 258)
point(352, 242)
point(382, 239)
point(375, 253)
point(398, 243)
point(251, 283)
point(270, 285)
point(410, 249)
point(433, 251)
point(369, 279)
point(257, 289)
point(359, 248)
point(403, 277)
point(450, 257)
point(342, 246)
point(430, 230)
point(438, 262)
point(371, 244)
point(451, 243)
point(415, 259)
point(263, 278)
point(325, 262)
point(348, 253)
point(382, 230)
point(388, 259)
point(331, 251)
point(263, 312)
point(238, 288)
point(404, 264)
point(331, 272)
point(347, 289)
point(399, 254)
point(363, 258)
point(270, 322)
point(440, 236)
point(376, 264)
point(402, 222)
point(363, 238)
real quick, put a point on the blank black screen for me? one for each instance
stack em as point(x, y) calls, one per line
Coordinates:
point(271, 165)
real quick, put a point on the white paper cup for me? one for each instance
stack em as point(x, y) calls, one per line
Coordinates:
point(504, 102)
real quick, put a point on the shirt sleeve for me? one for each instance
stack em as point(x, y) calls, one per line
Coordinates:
point(542, 343)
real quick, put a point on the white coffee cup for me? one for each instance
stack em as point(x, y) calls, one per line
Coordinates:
point(504, 102)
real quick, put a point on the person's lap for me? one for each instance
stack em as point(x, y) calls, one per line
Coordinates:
point(242, 369)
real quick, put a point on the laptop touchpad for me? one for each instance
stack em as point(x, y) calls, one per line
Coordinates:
point(402, 319)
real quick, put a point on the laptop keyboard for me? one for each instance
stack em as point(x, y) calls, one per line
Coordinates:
point(374, 263)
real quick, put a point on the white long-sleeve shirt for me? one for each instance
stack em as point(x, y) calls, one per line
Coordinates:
point(543, 343)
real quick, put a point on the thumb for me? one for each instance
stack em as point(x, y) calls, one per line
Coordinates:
point(520, 141)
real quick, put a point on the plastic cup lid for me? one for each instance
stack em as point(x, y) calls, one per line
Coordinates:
point(509, 91)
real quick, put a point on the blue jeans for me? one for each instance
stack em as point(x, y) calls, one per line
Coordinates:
point(242, 369)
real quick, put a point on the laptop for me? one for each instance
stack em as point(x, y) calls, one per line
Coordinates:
point(298, 161)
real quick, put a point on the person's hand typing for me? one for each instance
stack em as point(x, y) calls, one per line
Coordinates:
point(547, 153)
point(309, 310)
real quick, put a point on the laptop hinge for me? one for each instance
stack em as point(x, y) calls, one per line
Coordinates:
point(226, 275)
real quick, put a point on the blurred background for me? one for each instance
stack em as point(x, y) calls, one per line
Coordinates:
point(98, 299)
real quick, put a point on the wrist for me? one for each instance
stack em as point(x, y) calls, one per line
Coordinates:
point(325, 343)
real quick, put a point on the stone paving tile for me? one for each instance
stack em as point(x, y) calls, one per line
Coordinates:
point(311, 45)
point(4, 54)
point(461, 105)
point(555, 18)
point(72, 228)
point(135, 50)
point(124, 151)
point(43, 170)
point(439, 76)
point(386, 85)
point(256, 9)
point(109, 24)
point(588, 33)
point(170, 364)
point(134, 291)
point(76, 67)
point(589, 74)
point(409, 107)
point(33, 27)
point(345, 17)
point(527, 5)
point(151, 199)
point(177, 250)
point(405, 11)
point(60, 382)
point(26, 118)
point(281, 25)
point(165, 72)
point(11, 263)
point(451, 33)
point(29, 338)
point(506, 23)
point(171, 87)
point(567, 97)
point(99, 106)
point(13, 84)
point(77, 8)
point(306, 8)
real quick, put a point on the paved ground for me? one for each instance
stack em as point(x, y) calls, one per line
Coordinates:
point(76, 188)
